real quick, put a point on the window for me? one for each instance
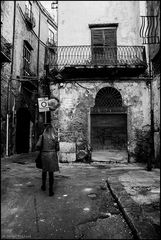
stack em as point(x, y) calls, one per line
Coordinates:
point(104, 42)
point(26, 58)
point(51, 37)
point(103, 37)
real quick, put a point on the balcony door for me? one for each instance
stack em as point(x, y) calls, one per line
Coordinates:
point(104, 44)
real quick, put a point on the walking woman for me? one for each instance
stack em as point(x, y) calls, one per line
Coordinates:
point(49, 158)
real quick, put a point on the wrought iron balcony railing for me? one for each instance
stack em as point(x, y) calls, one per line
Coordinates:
point(68, 56)
point(149, 30)
point(51, 42)
point(5, 49)
point(29, 17)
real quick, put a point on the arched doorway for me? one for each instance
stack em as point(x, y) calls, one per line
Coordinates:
point(108, 121)
point(22, 130)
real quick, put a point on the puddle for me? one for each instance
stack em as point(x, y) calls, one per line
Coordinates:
point(105, 215)
point(86, 209)
point(92, 195)
point(29, 184)
point(87, 189)
point(18, 185)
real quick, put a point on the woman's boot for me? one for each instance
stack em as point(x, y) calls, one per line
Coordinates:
point(51, 181)
point(43, 187)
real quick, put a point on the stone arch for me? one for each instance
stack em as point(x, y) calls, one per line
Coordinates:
point(108, 121)
point(108, 97)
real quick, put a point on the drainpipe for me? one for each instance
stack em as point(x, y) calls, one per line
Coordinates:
point(38, 47)
point(9, 83)
point(38, 54)
point(150, 160)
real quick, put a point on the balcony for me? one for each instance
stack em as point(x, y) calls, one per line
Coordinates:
point(30, 20)
point(99, 58)
point(5, 50)
point(51, 42)
point(28, 78)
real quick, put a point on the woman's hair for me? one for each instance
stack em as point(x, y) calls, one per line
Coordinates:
point(49, 131)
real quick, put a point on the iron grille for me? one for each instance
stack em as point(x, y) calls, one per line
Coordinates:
point(108, 99)
point(104, 110)
point(29, 17)
point(51, 42)
point(6, 49)
point(149, 31)
point(67, 56)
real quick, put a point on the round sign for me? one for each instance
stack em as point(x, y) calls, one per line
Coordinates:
point(43, 104)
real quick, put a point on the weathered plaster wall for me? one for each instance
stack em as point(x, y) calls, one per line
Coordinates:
point(74, 113)
point(153, 9)
point(156, 109)
point(21, 33)
point(7, 9)
point(75, 16)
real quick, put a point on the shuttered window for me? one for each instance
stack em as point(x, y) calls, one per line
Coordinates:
point(26, 58)
point(103, 37)
point(104, 42)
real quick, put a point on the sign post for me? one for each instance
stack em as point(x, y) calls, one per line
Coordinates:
point(43, 106)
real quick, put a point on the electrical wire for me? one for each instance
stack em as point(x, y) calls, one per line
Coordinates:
point(86, 87)
point(29, 90)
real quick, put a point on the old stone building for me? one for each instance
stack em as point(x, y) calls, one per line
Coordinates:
point(102, 79)
point(30, 31)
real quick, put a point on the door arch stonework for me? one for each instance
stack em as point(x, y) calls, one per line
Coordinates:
point(108, 120)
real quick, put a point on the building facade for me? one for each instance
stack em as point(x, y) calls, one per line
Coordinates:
point(31, 31)
point(102, 80)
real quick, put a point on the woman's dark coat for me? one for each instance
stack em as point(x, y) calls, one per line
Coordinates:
point(49, 154)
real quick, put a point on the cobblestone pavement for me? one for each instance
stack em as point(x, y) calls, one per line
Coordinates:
point(83, 206)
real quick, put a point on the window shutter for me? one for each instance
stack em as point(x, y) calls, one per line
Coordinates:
point(110, 37)
point(97, 37)
point(103, 37)
point(104, 50)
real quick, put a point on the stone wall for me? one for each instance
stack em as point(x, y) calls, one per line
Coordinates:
point(156, 110)
point(18, 94)
point(76, 99)
point(153, 9)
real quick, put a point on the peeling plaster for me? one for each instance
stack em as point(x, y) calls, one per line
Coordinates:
point(76, 101)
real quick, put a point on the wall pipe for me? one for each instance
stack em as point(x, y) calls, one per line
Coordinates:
point(9, 82)
point(151, 158)
point(38, 54)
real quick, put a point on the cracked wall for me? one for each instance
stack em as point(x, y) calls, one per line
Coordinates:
point(73, 116)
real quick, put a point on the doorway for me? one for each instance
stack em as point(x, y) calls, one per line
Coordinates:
point(23, 130)
point(108, 124)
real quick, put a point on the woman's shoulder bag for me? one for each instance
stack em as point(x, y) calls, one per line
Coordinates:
point(38, 149)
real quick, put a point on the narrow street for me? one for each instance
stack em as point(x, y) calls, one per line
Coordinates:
point(81, 84)
point(82, 207)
